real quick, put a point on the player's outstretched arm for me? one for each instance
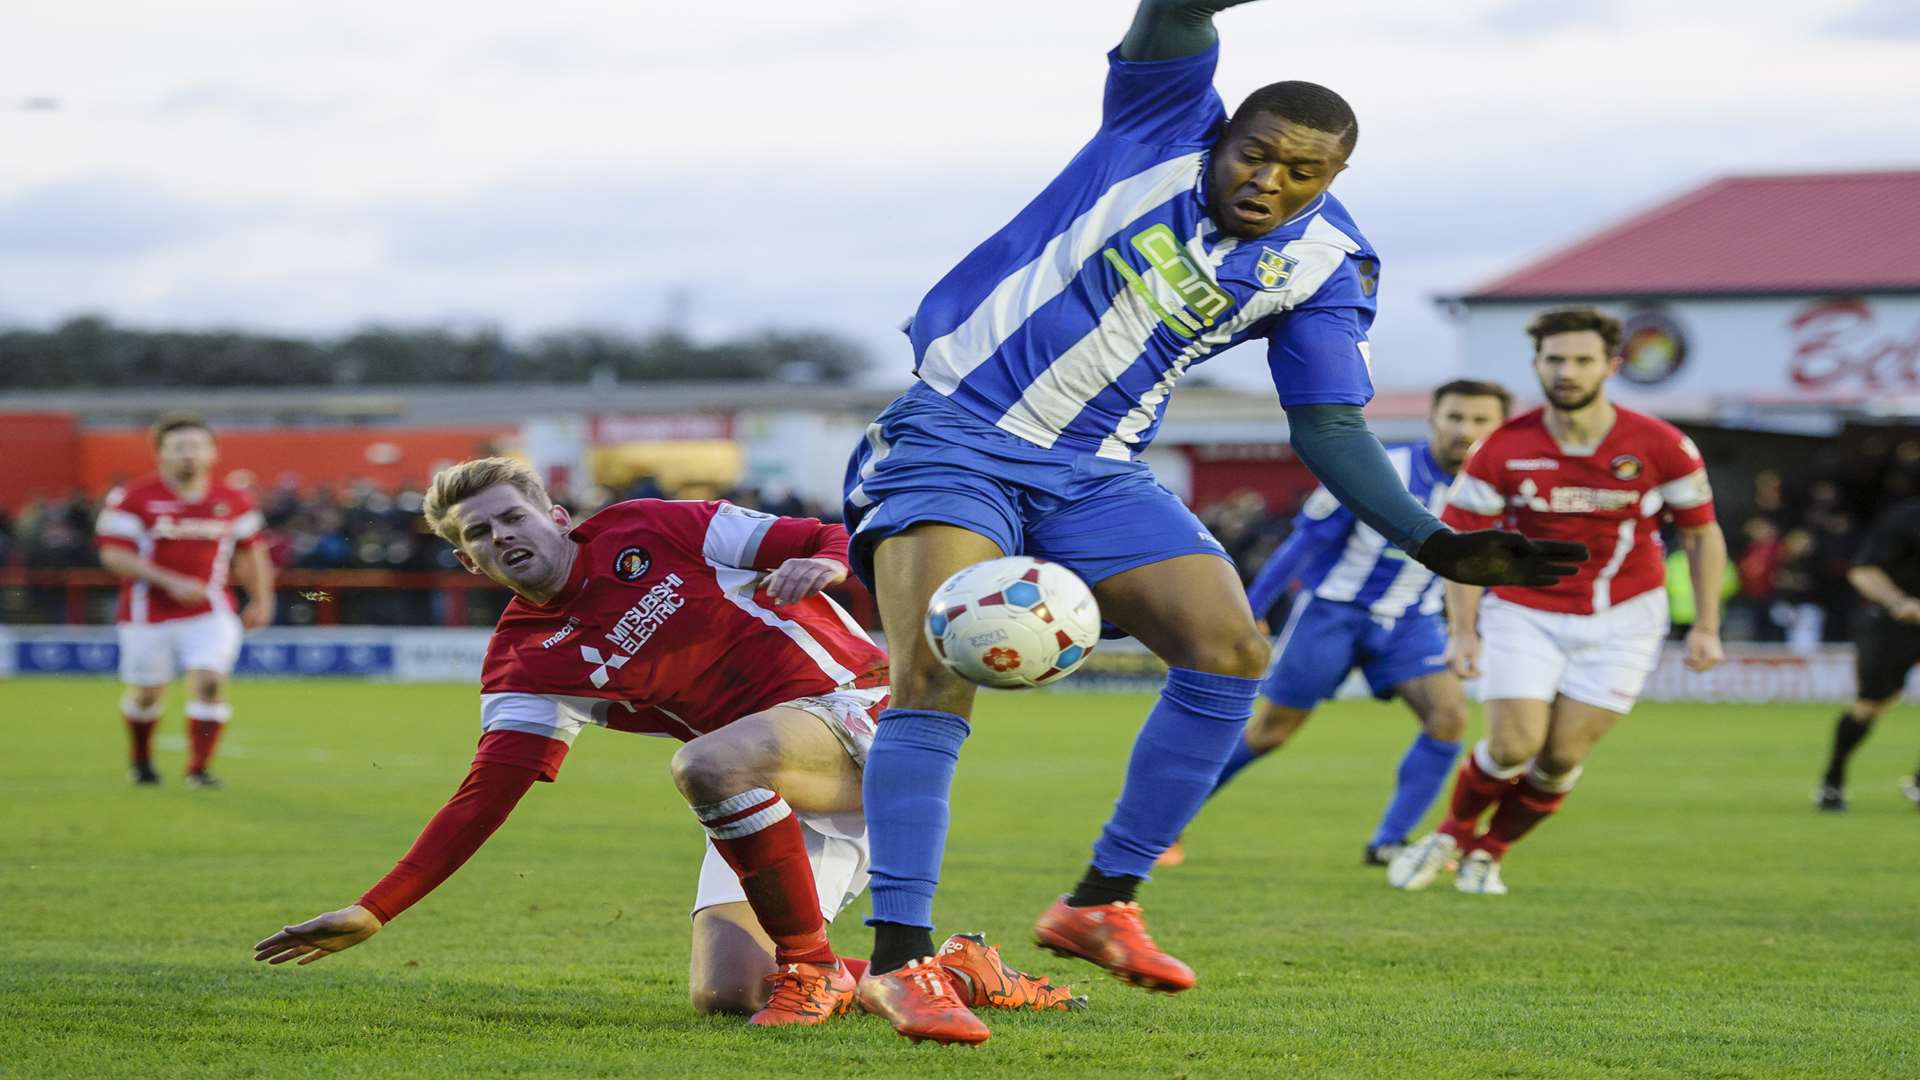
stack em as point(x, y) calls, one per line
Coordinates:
point(1335, 444)
point(1878, 586)
point(490, 792)
point(1463, 629)
point(1170, 29)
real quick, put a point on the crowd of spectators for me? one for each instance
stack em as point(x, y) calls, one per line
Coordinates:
point(361, 527)
point(1791, 541)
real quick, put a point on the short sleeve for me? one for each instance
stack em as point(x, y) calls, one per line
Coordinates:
point(1318, 350)
point(1684, 488)
point(554, 717)
point(1163, 102)
point(117, 524)
point(734, 534)
point(1321, 357)
point(1476, 501)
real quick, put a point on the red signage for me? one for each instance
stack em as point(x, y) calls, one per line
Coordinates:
point(1837, 345)
point(660, 427)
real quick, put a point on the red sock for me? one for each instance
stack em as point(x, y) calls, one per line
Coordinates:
point(1520, 810)
point(1474, 789)
point(205, 721)
point(756, 832)
point(141, 733)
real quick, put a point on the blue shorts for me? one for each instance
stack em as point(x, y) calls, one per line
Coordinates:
point(1325, 639)
point(927, 460)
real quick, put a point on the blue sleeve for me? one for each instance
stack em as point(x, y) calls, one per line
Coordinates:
point(1318, 350)
point(1315, 529)
point(1334, 442)
point(1163, 102)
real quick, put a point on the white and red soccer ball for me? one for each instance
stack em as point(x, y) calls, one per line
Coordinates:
point(1013, 622)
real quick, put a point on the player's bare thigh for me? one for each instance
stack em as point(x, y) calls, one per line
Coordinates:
point(1516, 729)
point(907, 568)
point(732, 957)
point(788, 750)
point(1191, 611)
point(1440, 701)
point(1575, 728)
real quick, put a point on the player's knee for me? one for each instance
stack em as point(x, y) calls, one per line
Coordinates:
point(702, 775)
point(1447, 723)
point(1508, 749)
point(710, 999)
point(1243, 655)
point(146, 697)
point(1866, 712)
point(928, 684)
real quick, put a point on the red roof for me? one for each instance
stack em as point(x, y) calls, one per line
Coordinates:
point(1831, 232)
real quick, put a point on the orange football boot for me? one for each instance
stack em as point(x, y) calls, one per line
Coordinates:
point(806, 994)
point(919, 1002)
point(1115, 937)
point(984, 981)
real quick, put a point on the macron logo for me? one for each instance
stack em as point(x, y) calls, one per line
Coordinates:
point(599, 676)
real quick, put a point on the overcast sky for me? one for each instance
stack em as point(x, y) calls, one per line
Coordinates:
point(730, 165)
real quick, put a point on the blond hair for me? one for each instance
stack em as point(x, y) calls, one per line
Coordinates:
point(455, 484)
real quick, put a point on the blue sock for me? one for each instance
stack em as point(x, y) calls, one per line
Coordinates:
point(1423, 772)
point(1242, 756)
point(1177, 757)
point(909, 777)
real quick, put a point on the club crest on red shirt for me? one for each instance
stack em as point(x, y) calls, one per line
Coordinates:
point(632, 564)
point(1625, 467)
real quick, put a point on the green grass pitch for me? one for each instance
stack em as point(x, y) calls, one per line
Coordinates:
point(1688, 915)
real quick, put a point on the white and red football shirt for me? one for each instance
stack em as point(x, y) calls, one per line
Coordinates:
point(1611, 500)
point(663, 629)
point(192, 537)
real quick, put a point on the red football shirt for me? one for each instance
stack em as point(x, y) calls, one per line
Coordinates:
point(663, 629)
point(1611, 500)
point(193, 538)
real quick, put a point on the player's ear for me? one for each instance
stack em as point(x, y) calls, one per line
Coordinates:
point(561, 517)
point(460, 556)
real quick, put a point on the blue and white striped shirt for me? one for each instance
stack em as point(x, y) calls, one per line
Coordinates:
point(1336, 557)
point(1071, 325)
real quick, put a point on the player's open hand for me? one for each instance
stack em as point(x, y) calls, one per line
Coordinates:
point(1906, 611)
point(1703, 649)
point(798, 579)
point(257, 615)
point(185, 591)
point(1463, 655)
point(319, 936)
point(1495, 557)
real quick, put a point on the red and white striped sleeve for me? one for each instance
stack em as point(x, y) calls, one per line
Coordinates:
point(117, 524)
point(249, 525)
point(751, 540)
point(1684, 489)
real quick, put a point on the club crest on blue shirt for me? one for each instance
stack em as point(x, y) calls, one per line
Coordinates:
point(1273, 269)
point(632, 563)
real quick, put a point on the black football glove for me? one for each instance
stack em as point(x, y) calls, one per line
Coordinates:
point(1494, 557)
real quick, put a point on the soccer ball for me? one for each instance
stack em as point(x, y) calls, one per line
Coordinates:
point(1014, 622)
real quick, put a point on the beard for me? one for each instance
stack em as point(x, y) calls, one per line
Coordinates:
point(1571, 403)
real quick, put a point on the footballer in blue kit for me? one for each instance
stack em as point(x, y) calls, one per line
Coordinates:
point(1043, 364)
point(1364, 604)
